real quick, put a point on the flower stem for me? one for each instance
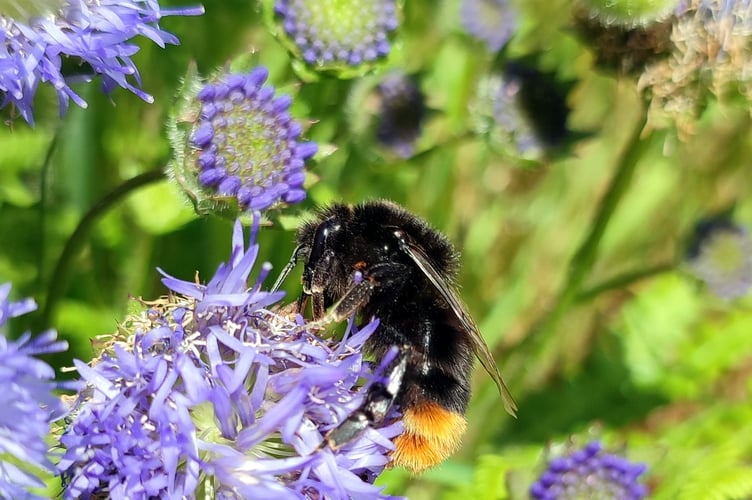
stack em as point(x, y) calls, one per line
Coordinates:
point(533, 357)
point(622, 280)
point(72, 247)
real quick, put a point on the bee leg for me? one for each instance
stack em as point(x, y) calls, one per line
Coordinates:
point(318, 306)
point(387, 276)
point(379, 400)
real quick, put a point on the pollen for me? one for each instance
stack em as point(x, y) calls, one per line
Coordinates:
point(432, 433)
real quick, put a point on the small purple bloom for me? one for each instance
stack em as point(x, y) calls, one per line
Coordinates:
point(209, 390)
point(347, 33)
point(492, 21)
point(246, 143)
point(530, 109)
point(28, 403)
point(590, 473)
point(721, 256)
point(33, 46)
point(403, 110)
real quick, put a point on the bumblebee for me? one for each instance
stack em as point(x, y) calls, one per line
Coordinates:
point(407, 274)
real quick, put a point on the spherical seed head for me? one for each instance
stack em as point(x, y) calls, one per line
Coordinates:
point(243, 145)
point(622, 48)
point(492, 21)
point(721, 257)
point(331, 34)
point(403, 110)
point(590, 473)
point(710, 56)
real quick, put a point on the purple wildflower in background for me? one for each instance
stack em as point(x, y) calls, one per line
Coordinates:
point(28, 403)
point(530, 109)
point(721, 256)
point(211, 393)
point(33, 45)
point(247, 144)
point(349, 32)
point(590, 473)
point(403, 110)
point(492, 21)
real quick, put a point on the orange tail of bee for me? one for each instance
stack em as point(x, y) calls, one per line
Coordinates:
point(432, 433)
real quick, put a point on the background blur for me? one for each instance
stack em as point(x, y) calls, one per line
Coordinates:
point(652, 363)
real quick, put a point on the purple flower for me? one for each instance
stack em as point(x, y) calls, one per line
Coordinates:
point(403, 110)
point(28, 403)
point(492, 21)
point(33, 45)
point(211, 391)
point(530, 110)
point(721, 257)
point(343, 33)
point(245, 143)
point(590, 473)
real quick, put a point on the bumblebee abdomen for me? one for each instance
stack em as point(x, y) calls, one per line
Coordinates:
point(432, 433)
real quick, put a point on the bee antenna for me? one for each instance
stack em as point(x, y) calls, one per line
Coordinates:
point(288, 267)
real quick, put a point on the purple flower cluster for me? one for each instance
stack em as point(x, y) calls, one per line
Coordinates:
point(33, 46)
point(212, 393)
point(721, 257)
point(403, 110)
point(27, 401)
point(590, 473)
point(339, 33)
point(248, 144)
point(492, 21)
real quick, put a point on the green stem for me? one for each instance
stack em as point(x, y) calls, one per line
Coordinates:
point(622, 281)
point(529, 357)
point(72, 247)
point(43, 206)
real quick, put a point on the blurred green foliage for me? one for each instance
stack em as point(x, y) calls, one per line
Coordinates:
point(655, 366)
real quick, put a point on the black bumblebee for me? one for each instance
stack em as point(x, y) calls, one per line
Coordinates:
point(408, 271)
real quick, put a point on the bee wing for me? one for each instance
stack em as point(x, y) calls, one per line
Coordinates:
point(450, 296)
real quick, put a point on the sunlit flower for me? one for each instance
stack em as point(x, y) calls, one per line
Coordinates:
point(36, 37)
point(210, 391)
point(590, 473)
point(402, 112)
point(244, 144)
point(721, 256)
point(492, 21)
point(346, 32)
point(28, 403)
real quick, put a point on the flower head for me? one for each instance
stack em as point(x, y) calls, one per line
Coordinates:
point(525, 108)
point(626, 49)
point(244, 144)
point(403, 110)
point(492, 21)
point(212, 391)
point(27, 401)
point(721, 256)
point(590, 473)
point(338, 33)
point(33, 45)
point(710, 55)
